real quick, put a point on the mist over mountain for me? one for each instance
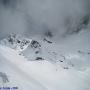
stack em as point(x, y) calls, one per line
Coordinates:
point(36, 17)
point(44, 44)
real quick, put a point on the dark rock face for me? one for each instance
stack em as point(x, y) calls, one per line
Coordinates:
point(16, 42)
point(47, 40)
point(39, 58)
point(37, 52)
point(11, 38)
point(23, 43)
point(35, 44)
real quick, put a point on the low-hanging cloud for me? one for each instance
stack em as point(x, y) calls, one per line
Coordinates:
point(34, 17)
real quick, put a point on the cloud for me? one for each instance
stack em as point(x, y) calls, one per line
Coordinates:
point(37, 16)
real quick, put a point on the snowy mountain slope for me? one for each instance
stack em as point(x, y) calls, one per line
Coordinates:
point(49, 75)
point(70, 52)
point(56, 52)
point(53, 50)
point(17, 75)
point(35, 49)
point(47, 66)
point(16, 42)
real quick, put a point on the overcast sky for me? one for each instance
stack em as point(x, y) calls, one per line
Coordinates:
point(33, 17)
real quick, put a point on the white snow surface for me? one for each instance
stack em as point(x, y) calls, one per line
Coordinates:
point(40, 75)
point(66, 65)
